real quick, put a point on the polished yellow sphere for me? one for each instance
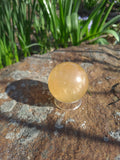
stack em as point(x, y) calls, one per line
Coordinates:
point(68, 82)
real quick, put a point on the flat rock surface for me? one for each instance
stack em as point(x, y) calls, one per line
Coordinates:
point(33, 128)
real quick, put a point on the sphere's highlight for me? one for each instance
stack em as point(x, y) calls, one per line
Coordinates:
point(68, 82)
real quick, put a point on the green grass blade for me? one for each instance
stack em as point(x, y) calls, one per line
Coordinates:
point(105, 17)
point(61, 14)
point(74, 26)
point(90, 37)
point(31, 45)
point(112, 32)
point(74, 21)
point(68, 23)
point(84, 29)
point(110, 22)
point(68, 7)
point(16, 53)
point(97, 20)
point(76, 6)
point(101, 41)
point(52, 17)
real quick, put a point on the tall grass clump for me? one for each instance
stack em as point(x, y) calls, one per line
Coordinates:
point(27, 26)
point(67, 28)
point(60, 20)
point(20, 29)
point(8, 48)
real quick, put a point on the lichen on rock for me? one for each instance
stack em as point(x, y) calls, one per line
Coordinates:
point(34, 113)
point(115, 135)
point(24, 136)
point(8, 106)
point(17, 75)
point(3, 95)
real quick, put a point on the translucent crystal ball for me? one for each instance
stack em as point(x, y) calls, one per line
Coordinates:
point(68, 82)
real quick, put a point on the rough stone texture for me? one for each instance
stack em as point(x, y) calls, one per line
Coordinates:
point(7, 106)
point(32, 128)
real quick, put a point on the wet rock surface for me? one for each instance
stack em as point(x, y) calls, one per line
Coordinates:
point(32, 128)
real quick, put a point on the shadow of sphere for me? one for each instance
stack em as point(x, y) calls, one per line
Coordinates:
point(30, 92)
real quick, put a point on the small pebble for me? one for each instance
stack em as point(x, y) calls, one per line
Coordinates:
point(56, 133)
point(107, 78)
point(83, 125)
point(57, 113)
point(100, 82)
point(106, 139)
point(70, 120)
point(115, 98)
point(59, 121)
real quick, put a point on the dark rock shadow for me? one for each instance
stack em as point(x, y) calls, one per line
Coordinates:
point(67, 131)
point(34, 92)
point(31, 92)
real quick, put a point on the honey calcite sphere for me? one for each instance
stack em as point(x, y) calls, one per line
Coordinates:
point(68, 82)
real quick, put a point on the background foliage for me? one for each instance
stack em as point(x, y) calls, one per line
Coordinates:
point(36, 26)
